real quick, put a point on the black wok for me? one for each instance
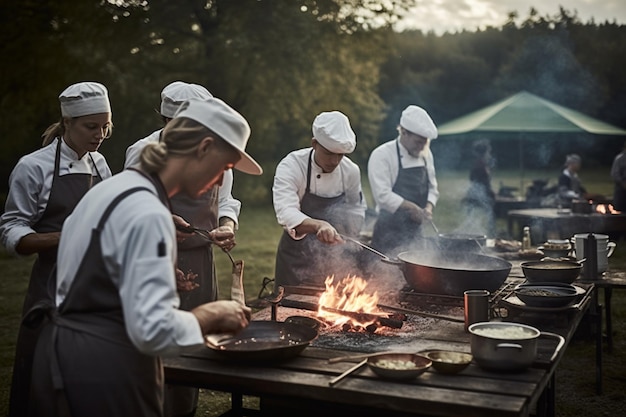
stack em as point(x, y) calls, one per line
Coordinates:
point(461, 242)
point(263, 340)
point(452, 272)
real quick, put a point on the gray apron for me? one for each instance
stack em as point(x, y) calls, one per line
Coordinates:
point(85, 363)
point(65, 193)
point(397, 230)
point(308, 261)
point(194, 255)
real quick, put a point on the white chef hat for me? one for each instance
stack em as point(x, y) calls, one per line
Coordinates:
point(174, 94)
point(332, 130)
point(229, 125)
point(416, 120)
point(82, 99)
point(572, 159)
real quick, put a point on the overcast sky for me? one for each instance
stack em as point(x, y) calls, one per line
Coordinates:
point(455, 15)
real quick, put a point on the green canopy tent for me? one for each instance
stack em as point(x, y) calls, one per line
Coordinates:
point(525, 113)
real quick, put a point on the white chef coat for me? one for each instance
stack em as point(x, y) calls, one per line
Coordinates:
point(228, 206)
point(383, 171)
point(30, 183)
point(145, 278)
point(290, 181)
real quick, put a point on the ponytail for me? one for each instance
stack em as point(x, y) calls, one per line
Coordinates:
point(53, 131)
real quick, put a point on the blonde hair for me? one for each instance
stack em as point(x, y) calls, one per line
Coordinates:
point(57, 129)
point(53, 131)
point(180, 137)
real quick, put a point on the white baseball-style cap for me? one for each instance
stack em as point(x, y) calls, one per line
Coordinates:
point(416, 120)
point(85, 98)
point(227, 123)
point(175, 94)
point(332, 130)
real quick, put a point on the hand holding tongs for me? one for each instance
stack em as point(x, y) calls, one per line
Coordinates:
point(205, 234)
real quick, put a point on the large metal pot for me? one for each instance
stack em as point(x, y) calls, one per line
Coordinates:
point(501, 346)
point(461, 242)
point(452, 272)
point(263, 340)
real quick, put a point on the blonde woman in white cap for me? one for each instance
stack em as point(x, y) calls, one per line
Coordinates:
point(317, 196)
point(216, 211)
point(116, 305)
point(44, 187)
point(402, 176)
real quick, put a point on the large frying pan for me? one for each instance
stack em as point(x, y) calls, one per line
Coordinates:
point(452, 272)
point(263, 340)
point(447, 272)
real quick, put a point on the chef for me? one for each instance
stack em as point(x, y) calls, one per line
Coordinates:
point(116, 306)
point(197, 281)
point(317, 196)
point(44, 188)
point(402, 176)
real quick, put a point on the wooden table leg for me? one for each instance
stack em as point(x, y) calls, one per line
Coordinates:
point(598, 316)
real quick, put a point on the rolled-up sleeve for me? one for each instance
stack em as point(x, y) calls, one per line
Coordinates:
point(228, 205)
point(382, 173)
point(22, 205)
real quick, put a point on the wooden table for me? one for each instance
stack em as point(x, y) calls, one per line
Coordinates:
point(552, 223)
point(301, 385)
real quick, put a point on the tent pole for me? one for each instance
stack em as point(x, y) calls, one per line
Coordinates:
point(521, 165)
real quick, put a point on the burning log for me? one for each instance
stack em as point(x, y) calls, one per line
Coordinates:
point(363, 317)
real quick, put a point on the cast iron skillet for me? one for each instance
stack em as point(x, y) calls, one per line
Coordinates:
point(263, 340)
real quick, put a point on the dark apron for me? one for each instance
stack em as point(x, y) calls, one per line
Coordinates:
point(394, 231)
point(194, 255)
point(65, 193)
point(308, 261)
point(85, 363)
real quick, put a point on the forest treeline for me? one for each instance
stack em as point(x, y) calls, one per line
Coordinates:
point(280, 63)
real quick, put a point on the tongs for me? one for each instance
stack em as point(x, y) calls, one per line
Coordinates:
point(205, 234)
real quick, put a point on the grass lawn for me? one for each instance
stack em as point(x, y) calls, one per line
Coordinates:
point(257, 240)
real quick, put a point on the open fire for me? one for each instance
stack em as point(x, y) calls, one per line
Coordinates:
point(348, 304)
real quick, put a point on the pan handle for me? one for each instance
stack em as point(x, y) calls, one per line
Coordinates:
point(384, 257)
point(558, 347)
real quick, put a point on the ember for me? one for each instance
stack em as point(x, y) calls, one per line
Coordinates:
point(349, 295)
point(606, 209)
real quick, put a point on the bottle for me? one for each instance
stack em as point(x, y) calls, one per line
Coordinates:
point(526, 238)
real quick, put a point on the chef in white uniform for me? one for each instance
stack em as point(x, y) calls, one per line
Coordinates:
point(317, 196)
point(216, 211)
point(44, 188)
point(402, 176)
point(116, 304)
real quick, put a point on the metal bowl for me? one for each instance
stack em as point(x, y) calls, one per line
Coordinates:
point(398, 365)
point(449, 362)
point(563, 271)
point(547, 296)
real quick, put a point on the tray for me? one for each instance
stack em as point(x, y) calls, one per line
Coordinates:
point(513, 302)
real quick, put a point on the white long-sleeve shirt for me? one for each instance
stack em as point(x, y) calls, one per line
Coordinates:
point(290, 182)
point(228, 206)
point(145, 278)
point(383, 169)
point(30, 183)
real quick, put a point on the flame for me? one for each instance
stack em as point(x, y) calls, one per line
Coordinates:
point(350, 295)
point(606, 209)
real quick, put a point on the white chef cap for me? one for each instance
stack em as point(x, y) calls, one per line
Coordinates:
point(84, 98)
point(174, 94)
point(416, 120)
point(572, 159)
point(229, 125)
point(332, 130)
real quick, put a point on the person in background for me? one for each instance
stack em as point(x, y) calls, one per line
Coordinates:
point(569, 184)
point(44, 188)
point(317, 197)
point(216, 211)
point(402, 176)
point(618, 173)
point(116, 306)
point(480, 198)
